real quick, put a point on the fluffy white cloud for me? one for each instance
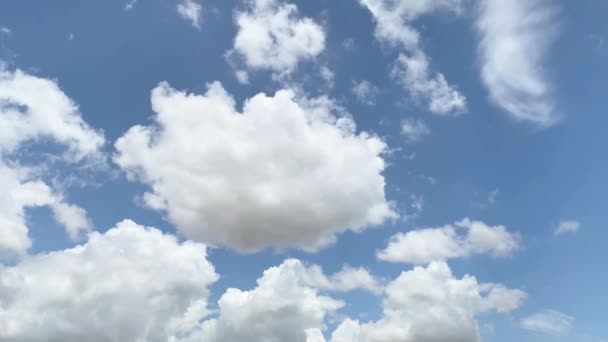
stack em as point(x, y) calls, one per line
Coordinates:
point(34, 109)
point(282, 173)
point(128, 284)
point(514, 38)
point(365, 92)
point(394, 21)
point(568, 227)
point(189, 10)
point(549, 322)
point(431, 305)
point(462, 239)
point(271, 35)
point(414, 129)
point(285, 306)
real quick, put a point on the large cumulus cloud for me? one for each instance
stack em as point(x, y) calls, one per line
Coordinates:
point(284, 172)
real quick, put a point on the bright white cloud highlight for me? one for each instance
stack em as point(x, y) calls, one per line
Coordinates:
point(460, 240)
point(514, 39)
point(272, 35)
point(34, 109)
point(284, 172)
point(394, 25)
point(431, 305)
point(568, 227)
point(549, 322)
point(190, 11)
point(128, 284)
point(285, 306)
point(414, 129)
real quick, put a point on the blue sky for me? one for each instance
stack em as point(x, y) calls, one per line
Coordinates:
point(523, 155)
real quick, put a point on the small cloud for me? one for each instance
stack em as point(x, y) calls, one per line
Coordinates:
point(348, 43)
point(242, 76)
point(191, 11)
point(599, 43)
point(5, 31)
point(328, 76)
point(550, 322)
point(129, 5)
point(414, 129)
point(366, 92)
point(568, 227)
point(71, 36)
point(492, 196)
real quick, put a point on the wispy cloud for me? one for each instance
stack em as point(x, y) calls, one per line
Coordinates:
point(548, 322)
point(514, 38)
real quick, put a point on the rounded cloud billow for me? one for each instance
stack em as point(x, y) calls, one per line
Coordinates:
point(129, 284)
point(286, 172)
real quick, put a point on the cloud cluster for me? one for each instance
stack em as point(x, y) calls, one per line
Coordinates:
point(462, 239)
point(129, 284)
point(35, 110)
point(394, 25)
point(286, 305)
point(514, 39)
point(284, 172)
point(431, 305)
point(273, 36)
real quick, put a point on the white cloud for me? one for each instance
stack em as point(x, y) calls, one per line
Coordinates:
point(285, 172)
point(130, 4)
point(430, 305)
point(128, 284)
point(190, 11)
point(328, 76)
point(20, 191)
point(285, 306)
point(366, 92)
point(242, 76)
point(514, 38)
point(34, 109)
point(272, 36)
point(394, 25)
point(412, 72)
point(568, 227)
point(414, 129)
point(5, 30)
point(462, 239)
point(548, 322)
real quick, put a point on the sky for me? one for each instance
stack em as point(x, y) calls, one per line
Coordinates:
point(306, 171)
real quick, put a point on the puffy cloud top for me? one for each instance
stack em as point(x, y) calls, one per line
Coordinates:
point(462, 239)
point(34, 108)
point(430, 305)
point(283, 173)
point(271, 35)
point(128, 284)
